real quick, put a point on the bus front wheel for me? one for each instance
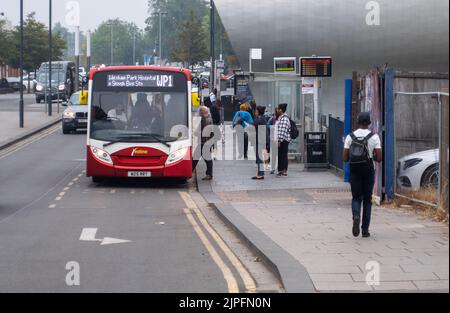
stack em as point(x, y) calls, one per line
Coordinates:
point(96, 179)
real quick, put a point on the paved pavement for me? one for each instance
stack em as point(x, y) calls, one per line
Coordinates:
point(35, 117)
point(308, 216)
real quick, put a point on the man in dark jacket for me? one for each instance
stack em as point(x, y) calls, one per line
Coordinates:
point(215, 112)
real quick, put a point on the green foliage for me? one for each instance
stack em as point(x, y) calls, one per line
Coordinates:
point(6, 46)
point(178, 11)
point(191, 45)
point(122, 36)
point(178, 31)
point(35, 44)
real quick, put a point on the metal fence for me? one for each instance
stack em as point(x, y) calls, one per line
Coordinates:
point(336, 143)
point(420, 146)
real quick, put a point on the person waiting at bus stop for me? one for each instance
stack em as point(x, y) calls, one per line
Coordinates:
point(244, 119)
point(283, 127)
point(206, 154)
point(362, 147)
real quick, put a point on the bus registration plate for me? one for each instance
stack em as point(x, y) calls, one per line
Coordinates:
point(140, 174)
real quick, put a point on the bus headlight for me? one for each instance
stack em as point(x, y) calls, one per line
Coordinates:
point(101, 155)
point(177, 156)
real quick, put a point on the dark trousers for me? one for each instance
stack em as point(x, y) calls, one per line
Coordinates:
point(283, 161)
point(259, 159)
point(207, 157)
point(362, 189)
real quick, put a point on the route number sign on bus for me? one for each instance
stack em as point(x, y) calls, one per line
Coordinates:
point(316, 67)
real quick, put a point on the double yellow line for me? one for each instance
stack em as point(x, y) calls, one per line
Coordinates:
point(232, 283)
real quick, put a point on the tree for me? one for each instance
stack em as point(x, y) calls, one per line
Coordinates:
point(124, 34)
point(191, 46)
point(178, 11)
point(35, 44)
point(6, 46)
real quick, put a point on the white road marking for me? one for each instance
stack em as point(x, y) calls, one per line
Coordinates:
point(112, 241)
point(88, 234)
point(52, 206)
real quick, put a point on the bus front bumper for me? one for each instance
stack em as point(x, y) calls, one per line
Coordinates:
point(97, 168)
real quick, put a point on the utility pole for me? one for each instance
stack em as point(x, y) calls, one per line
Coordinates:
point(50, 47)
point(21, 108)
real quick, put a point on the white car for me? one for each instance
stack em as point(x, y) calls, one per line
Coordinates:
point(419, 170)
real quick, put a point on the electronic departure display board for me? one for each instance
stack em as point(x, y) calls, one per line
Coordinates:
point(316, 67)
point(285, 65)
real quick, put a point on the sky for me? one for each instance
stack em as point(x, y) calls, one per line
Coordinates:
point(93, 11)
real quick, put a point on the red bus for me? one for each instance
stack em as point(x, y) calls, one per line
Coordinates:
point(140, 123)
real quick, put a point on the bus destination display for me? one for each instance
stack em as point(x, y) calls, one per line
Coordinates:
point(316, 67)
point(140, 81)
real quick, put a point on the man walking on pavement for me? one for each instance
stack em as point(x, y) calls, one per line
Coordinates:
point(206, 121)
point(362, 148)
point(283, 127)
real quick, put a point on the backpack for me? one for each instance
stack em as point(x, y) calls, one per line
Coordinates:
point(294, 130)
point(359, 150)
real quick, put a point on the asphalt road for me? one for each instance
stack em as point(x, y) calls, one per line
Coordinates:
point(46, 203)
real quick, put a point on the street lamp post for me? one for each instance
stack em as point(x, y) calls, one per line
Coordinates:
point(50, 59)
point(111, 24)
point(134, 47)
point(21, 108)
point(160, 14)
point(77, 58)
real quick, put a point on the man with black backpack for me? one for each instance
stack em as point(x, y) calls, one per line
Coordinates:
point(362, 148)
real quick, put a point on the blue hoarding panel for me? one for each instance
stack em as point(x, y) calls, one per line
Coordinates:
point(348, 121)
